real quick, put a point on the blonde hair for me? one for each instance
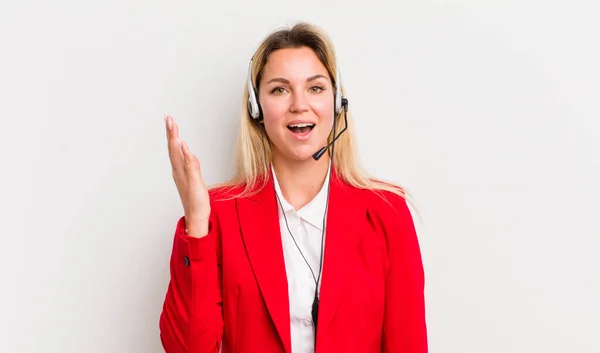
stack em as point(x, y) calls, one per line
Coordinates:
point(251, 168)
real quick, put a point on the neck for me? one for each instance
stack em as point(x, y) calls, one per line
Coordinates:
point(300, 181)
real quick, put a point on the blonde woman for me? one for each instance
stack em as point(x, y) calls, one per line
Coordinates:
point(301, 251)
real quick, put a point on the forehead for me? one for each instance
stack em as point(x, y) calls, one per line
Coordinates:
point(293, 63)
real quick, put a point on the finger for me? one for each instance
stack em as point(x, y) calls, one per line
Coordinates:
point(167, 127)
point(172, 127)
point(188, 158)
point(175, 129)
point(192, 164)
point(174, 146)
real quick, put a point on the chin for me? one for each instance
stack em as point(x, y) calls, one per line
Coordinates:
point(302, 153)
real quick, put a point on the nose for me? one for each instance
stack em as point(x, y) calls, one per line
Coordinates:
point(299, 102)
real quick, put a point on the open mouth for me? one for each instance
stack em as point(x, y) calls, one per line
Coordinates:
point(301, 128)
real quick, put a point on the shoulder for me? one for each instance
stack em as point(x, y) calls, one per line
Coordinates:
point(379, 196)
point(221, 193)
point(388, 214)
point(386, 209)
point(386, 204)
point(224, 194)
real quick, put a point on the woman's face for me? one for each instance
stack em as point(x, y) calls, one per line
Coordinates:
point(296, 97)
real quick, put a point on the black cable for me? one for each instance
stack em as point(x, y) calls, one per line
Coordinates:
point(315, 306)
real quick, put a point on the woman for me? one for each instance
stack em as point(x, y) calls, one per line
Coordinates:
point(298, 252)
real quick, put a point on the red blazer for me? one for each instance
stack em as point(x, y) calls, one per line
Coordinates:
point(230, 286)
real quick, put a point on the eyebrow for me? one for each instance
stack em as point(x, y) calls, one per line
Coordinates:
point(283, 80)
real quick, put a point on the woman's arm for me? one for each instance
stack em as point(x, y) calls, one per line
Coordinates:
point(404, 328)
point(192, 319)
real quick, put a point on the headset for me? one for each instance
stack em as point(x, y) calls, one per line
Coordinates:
point(341, 104)
point(256, 113)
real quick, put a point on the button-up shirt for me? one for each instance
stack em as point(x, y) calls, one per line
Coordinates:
point(306, 226)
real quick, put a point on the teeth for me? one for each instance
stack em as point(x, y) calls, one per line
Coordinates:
point(301, 125)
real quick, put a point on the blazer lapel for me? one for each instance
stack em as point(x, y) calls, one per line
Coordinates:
point(345, 218)
point(259, 222)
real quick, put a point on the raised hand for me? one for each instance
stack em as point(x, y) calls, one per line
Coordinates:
point(188, 179)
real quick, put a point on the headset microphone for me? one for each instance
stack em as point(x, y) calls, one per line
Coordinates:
point(320, 152)
point(340, 103)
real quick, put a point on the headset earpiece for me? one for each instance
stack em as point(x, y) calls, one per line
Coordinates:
point(253, 107)
point(338, 92)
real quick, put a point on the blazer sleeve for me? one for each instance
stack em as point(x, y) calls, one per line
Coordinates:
point(191, 319)
point(404, 328)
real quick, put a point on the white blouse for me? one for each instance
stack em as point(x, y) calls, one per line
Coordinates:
point(306, 225)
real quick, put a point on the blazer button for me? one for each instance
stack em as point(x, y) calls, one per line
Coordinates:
point(186, 261)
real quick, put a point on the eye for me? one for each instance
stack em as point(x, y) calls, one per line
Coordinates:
point(317, 89)
point(278, 90)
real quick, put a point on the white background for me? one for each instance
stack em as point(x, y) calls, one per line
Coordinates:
point(488, 111)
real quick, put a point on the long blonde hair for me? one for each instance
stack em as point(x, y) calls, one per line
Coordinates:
point(251, 168)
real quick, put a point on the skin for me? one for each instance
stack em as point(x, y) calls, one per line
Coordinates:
point(306, 94)
point(295, 86)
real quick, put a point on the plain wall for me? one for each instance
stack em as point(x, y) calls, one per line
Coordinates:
point(487, 111)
